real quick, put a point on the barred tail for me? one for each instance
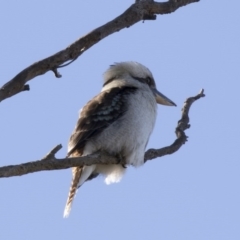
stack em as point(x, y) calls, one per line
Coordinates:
point(73, 189)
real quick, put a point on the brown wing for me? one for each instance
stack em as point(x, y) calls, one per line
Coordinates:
point(98, 114)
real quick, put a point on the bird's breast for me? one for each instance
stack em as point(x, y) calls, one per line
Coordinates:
point(128, 136)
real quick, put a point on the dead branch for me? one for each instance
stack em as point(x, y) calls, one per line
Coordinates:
point(50, 162)
point(141, 10)
point(183, 124)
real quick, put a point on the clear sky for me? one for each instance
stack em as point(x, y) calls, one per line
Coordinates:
point(192, 194)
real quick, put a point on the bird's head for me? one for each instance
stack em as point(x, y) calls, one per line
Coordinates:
point(133, 74)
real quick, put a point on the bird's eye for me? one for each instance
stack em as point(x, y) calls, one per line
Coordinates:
point(149, 80)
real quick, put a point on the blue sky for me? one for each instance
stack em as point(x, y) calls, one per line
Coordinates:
point(192, 194)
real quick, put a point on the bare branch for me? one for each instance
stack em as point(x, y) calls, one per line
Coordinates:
point(49, 162)
point(140, 10)
point(183, 124)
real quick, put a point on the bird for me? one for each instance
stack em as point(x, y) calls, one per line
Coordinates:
point(119, 121)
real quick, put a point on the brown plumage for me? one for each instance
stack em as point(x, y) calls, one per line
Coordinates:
point(76, 171)
point(119, 120)
point(95, 116)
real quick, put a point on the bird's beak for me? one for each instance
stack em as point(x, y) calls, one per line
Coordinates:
point(161, 99)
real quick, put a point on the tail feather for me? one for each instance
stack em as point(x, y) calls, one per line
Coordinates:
point(77, 172)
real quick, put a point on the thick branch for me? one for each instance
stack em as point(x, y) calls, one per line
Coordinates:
point(141, 10)
point(49, 162)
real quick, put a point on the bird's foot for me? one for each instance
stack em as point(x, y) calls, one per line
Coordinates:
point(121, 160)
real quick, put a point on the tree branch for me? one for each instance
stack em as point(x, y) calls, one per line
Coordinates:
point(49, 162)
point(183, 124)
point(140, 10)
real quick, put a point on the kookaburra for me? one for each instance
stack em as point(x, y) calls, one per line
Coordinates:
point(119, 121)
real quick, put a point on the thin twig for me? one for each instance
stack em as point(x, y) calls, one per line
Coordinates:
point(183, 124)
